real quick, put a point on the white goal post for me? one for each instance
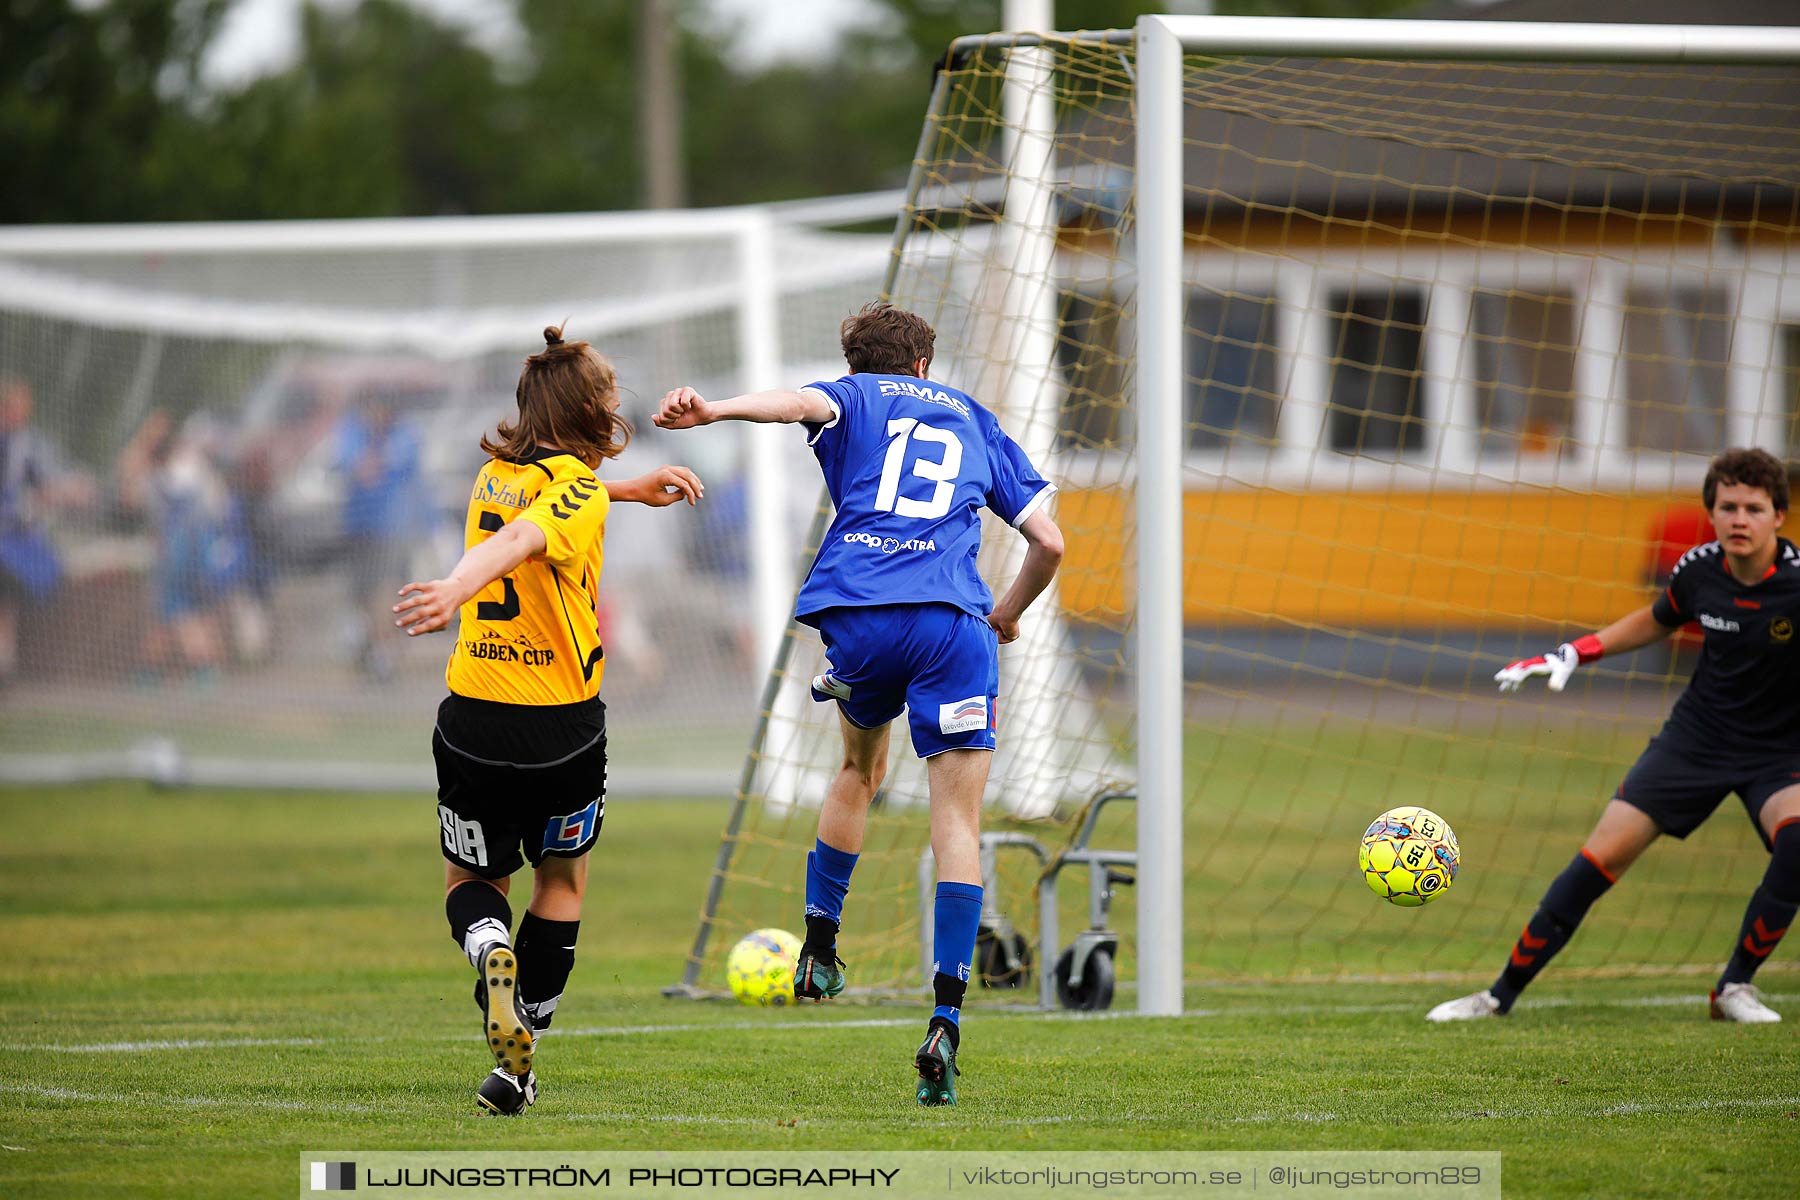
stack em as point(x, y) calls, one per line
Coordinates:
point(1161, 43)
point(1363, 355)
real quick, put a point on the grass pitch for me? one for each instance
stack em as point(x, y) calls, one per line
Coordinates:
point(207, 984)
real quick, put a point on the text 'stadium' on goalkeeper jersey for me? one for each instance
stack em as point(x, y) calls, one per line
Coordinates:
point(532, 637)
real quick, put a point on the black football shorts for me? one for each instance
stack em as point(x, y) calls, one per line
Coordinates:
point(518, 782)
point(1678, 781)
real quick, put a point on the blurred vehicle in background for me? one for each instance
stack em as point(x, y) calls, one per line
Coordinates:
point(291, 423)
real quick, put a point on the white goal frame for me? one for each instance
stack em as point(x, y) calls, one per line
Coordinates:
point(31, 280)
point(1161, 41)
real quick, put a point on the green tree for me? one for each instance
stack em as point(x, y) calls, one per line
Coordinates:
point(89, 97)
point(388, 111)
point(578, 100)
point(385, 113)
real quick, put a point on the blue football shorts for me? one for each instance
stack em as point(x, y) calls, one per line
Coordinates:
point(939, 663)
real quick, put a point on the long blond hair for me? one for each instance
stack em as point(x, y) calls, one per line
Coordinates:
point(568, 398)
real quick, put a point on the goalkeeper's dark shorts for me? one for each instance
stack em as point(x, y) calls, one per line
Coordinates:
point(518, 782)
point(1679, 780)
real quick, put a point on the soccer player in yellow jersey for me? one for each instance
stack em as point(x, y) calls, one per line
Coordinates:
point(520, 742)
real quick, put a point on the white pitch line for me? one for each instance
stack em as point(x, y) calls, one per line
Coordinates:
point(185, 1044)
point(140, 1100)
point(120, 1098)
point(761, 1026)
point(826, 1025)
point(1629, 1108)
point(884, 1120)
point(1626, 1109)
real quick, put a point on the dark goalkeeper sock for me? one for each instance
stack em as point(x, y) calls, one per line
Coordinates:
point(1564, 904)
point(546, 951)
point(1771, 910)
point(479, 916)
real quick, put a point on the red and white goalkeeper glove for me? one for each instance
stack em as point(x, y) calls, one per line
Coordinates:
point(1559, 664)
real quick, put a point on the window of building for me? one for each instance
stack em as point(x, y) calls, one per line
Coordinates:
point(1092, 360)
point(1378, 337)
point(1677, 345)
point(1524, 366)
point(1230, 364)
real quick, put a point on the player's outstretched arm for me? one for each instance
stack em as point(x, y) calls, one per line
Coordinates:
point(684, 408)
point(1631, 632)
point(427, 607)
point(660, 488)
point(1042, 556)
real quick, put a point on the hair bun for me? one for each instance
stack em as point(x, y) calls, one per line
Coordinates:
point(552, 335)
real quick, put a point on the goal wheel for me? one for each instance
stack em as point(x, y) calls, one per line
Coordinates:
point(1096, 989)
point(1002, 960)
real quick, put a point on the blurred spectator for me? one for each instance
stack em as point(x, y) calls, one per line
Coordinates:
point(33, 480)
point(201, 580)
point(384, 511)
point(719, 551)
point(253, 482)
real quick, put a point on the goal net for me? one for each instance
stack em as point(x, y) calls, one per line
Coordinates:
point(242, 439)
point(1459, 339)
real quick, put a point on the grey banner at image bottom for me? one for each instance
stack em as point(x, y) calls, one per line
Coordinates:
point(978, 1175)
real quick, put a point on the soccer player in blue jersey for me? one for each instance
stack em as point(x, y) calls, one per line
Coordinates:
point(907, 622)
point(1735, 729)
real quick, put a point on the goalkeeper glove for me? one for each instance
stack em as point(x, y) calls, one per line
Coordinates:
point(1559, 664)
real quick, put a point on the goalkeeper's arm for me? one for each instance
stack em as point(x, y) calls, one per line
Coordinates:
point(1631, 632)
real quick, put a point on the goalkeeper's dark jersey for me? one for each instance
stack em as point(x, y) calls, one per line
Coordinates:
point(1744, 696)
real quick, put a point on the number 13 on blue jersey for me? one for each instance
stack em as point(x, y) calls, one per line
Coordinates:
point(942, 472)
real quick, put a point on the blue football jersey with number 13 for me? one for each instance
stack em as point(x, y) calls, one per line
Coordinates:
point(909, 464)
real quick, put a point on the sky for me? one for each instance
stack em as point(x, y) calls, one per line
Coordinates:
point(261, 35)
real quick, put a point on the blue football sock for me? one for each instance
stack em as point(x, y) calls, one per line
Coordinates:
point(827, 880)
point(957, 916)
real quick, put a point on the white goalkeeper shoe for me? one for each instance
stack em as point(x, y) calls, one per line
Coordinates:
point(1466, 1008)
point(1742, 1002)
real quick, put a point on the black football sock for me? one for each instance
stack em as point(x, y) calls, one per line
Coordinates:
point(821, 937)
point(1564, 904)
point(948, 992)
point(1771, 910)
point(546, 952)
point(479, 916)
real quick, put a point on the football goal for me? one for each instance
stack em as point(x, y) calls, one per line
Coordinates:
point(1367, 356)
point(211, 408)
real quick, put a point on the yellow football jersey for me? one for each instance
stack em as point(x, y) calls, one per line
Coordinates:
point(532, 637)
